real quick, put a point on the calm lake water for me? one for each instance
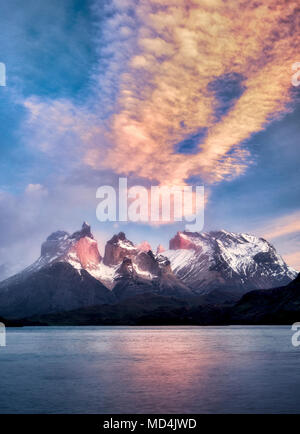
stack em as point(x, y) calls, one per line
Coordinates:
point(149, 370)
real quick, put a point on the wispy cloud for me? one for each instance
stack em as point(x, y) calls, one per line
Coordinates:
point(36, 189)
point(175, 92)
point(293, 259)
point(284, 232)
point(152, 87)
point(281, 226)
point(165, 93)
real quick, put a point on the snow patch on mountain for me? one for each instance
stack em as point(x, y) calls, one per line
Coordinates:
point(221, 258)
point(200, 262)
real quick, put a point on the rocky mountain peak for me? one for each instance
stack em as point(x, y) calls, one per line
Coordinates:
point(160, 249)
point(84, 232)
point(58, 235)
point(144, 246)
point(126, 269)
point(117, 248)
point(221, 263)
point(54, 244)
point(79, 249)
point(182, 240)
point(117, 238)
point(220, 259)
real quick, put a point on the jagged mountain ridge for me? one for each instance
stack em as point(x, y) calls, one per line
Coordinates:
point(220, 259)
point(139, 271)
point(71, 266)
point(222, 264)
point(79, 249)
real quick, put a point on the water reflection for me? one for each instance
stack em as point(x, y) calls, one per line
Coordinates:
point(149, 370)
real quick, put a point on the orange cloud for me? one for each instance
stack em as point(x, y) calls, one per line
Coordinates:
point(180, 48)
point(161, 61)
point(283, 226)
point(293, 260)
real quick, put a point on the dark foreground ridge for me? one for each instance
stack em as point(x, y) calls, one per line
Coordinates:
point(278, 306)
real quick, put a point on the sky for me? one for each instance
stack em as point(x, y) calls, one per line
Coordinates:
point(162, 92)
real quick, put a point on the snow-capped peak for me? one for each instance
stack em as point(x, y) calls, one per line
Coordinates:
point(117, 248)
point(203, 262)
point(79, 249)
point(218, 258)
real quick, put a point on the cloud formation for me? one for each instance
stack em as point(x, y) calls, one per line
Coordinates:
point(293, 259)
point(164, 90)
point(153, 86)
point(284, 232)
point(282, 226)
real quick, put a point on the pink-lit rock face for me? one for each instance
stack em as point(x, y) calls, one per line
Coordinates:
point(144, 246)
point(160, 249)
point(181, 242)
point(87, 252)
point(117, 248)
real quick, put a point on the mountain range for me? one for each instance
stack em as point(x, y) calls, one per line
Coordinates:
point(207, 271)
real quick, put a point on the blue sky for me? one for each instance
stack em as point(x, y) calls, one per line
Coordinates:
point(65, 121)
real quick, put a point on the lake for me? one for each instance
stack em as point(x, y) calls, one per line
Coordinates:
point(150, 370)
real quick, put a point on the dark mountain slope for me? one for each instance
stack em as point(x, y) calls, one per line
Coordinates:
point(54, 288)
point(272, 306)
point(129, 311)
point(275, 306)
